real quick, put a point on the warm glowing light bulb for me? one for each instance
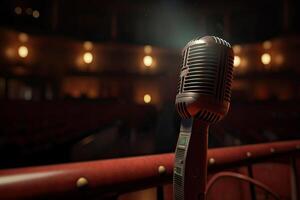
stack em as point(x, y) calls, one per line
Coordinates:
point(18, 10)
point(23, 51)
point(266, 58)
point(148, 60)
point(147, 49)
point(36, 14)
point(147, 98)
point(88, 57)
point(236, 61)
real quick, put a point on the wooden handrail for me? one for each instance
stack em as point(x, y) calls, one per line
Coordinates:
point(121, 175)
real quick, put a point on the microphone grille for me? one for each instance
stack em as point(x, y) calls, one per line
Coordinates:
point(207, 69)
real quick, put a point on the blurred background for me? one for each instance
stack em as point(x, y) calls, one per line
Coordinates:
point(84, 80)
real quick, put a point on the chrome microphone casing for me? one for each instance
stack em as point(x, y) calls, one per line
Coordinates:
point(204, 88)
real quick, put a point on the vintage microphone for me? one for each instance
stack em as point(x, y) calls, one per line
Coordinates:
point(203, 98)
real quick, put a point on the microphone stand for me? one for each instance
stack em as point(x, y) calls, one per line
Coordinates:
point(190, 169)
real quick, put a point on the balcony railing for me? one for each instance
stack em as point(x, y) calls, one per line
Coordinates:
point(107, 179)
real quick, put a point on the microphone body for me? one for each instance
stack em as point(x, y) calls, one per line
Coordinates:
point(203, 98)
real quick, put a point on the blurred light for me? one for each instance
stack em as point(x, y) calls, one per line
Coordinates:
point(236, 61)
point(88, 45)
point(10, 52)
point(49, 93)
point(27, 94)
point(23, 51)
point(29, 11)
point(18, 10)
point(36, 14)
point(261, 92)
point(88, 57)
point(87, 140)
point(147, 49)
point(147, 98)
point(244, 63)
point(199, 41)
point(23, 37)
point(266, 58)
point(92, 93)
point(19, 70)
point(267, 45)
point(148, 60)
point(237, 48)
point(75, 93)
point(279, 59)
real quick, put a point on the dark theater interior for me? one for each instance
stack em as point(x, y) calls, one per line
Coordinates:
point(90, 107)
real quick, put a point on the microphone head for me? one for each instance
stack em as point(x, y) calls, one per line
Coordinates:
point(204, 88)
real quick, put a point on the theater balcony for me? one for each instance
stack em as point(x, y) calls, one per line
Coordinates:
point(88, 89)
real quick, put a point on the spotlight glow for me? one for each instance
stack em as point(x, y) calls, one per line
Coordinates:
point(36, 14)
point(23, 51)
point(266, 58)
point(148, 60)
point(147, 98)
point(88, 57)
point(236, 61)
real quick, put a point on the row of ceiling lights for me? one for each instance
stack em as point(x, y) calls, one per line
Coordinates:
point(265, 57)
point(87, 56)
point(35, 13)
point(147, 60)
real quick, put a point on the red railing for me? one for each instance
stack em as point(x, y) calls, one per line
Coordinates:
point(117, 176)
